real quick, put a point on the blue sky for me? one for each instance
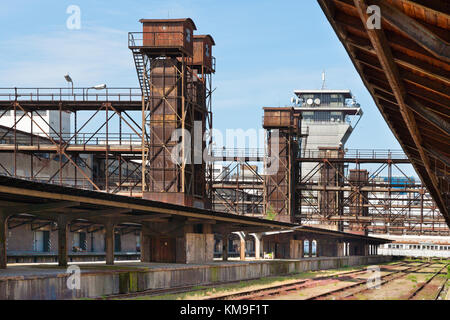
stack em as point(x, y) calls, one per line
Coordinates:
point(264, 50)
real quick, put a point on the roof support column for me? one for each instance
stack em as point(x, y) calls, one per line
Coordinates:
point(225, 243)
point(3, 238)
point(145, 243)
point(109, 242)
point(63, 228)
point(242, 244)
point(258, 240)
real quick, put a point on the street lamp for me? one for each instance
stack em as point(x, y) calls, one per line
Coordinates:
point(69, 80)
point(97, 87)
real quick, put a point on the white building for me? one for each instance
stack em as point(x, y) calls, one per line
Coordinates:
point(44, 122)
point(326, 118)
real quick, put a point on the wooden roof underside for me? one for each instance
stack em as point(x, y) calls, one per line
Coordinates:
point(405, 65)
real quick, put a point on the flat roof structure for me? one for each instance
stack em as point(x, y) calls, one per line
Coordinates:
point(34, 198)
point(404, 63)
point(27, 197)
point(346, 93)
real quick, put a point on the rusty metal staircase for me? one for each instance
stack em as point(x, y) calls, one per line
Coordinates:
point(142, 66)
point(141, 63)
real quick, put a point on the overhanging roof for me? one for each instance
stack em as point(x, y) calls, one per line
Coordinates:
point(405, 66)
point(28, 192)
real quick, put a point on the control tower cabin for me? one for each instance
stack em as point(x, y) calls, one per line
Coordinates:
point(326, 119)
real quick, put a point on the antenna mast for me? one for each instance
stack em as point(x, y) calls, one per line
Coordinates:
point(323, 80)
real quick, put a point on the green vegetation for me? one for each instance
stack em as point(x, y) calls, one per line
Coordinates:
point(270, 213)
point(413, 278)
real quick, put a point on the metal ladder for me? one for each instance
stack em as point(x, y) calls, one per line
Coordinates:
point(141, 65)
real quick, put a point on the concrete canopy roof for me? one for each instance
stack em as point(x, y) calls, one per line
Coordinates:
point(34, 195)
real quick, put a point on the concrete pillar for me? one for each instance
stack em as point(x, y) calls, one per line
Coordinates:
point(225, 243)
point(109, 241)
point(242, 249)
point(3, 237)
point(242, 244)
point(145, 244)
point(63, 233)
point(258, 238)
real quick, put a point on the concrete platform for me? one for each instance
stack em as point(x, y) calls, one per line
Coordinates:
point(47, 281)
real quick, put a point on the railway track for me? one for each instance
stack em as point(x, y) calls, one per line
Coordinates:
point(279, 289)
point(158, 292)
point(441, 288)
point(194, 288)
point(423, 285)
point(385, 279)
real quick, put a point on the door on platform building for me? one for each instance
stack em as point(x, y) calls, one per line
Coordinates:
point(280, 252)
point(163, 249)
point(41, 241)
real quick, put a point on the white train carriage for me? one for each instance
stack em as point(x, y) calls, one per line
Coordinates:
point(431, 250)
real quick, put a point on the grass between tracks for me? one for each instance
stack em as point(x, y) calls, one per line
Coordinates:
point(200, 292)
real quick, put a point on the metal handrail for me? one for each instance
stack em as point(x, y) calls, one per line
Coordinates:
point(80, 94)
point(356, 154)
point(314, 153)
point(238, 152)
point(82, 138)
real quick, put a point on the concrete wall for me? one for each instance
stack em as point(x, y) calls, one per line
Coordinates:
point(327, 134)
point(129, 241)
point(96, 284)
point(296, 249)
point(20, 238)
point(199, 247)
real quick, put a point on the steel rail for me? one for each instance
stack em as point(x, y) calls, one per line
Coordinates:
point(258, 293)
point(395, 275)
point(424, 284)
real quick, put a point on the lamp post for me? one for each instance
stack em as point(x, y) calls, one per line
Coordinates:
point(97, 87)
point(69, 80)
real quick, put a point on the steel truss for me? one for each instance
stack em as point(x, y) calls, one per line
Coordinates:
point(101, 152)
point(337, 200)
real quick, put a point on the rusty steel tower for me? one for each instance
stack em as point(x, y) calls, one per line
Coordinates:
point(283, 127)
point(174, 69)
